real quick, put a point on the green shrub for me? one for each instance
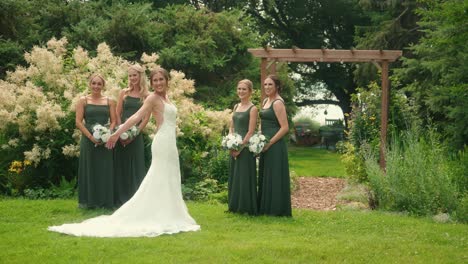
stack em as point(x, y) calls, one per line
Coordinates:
point(64, 190)
point(462, 209)
point(353, 161)
point(201, 190)
point(419, 178)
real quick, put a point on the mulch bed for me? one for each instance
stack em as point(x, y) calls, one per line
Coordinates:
point(317, 193)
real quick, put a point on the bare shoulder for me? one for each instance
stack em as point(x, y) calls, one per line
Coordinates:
point(254, 109)
point(123, 92)
point(154, 99)
point(82, 100)
point(278, 102)
point(278, 105)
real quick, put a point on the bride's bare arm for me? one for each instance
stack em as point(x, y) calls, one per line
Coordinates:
point(146, 109)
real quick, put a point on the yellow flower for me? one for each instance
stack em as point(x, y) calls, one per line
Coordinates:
point(27, 163)
point(16, 166)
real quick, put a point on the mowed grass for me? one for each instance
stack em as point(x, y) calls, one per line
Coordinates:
point(308, 161)
point(308, 237)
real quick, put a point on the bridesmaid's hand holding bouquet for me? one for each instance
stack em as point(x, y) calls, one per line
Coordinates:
point(101, 134)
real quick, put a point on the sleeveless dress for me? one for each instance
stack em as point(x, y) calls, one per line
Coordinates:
point(129, 161)
point(157, 207)
point(273, 180)
point(95, 171)
point(242, 182)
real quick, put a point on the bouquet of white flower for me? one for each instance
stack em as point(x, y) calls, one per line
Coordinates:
point(232, 142)
point(131, 133)
point(101, 133)
point(257, 142)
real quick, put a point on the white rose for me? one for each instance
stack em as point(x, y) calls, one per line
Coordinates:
point(124, 135)
point(105, 137)
point(252, 148)
point(96, 135)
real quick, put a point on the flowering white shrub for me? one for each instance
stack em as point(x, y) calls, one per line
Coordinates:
point(37, 102)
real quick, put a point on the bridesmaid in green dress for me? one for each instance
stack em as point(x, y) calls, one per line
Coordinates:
point(274, 183)
point(129, 154)
point(95, 171)
point(242, 183)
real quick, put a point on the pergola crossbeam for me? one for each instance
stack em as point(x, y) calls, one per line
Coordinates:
point(304, 55)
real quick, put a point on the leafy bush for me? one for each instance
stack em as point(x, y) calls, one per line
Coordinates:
point(201, 190)
point(419, 178)
point(353, 161)
point(64, 190)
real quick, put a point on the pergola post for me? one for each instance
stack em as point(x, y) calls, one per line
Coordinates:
point(384, 113)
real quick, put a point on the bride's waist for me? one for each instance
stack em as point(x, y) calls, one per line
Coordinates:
point(167, 128)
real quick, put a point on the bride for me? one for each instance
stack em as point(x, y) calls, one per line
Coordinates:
point(157, 207)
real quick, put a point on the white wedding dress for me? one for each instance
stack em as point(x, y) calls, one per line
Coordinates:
point(157, 207)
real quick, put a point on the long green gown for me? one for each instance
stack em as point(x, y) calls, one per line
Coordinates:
point(96, 169)
point(242, 182)
point(129, 161)
point(274, 194)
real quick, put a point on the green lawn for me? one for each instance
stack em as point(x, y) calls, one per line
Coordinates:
point(308, 161)
point(308, 237)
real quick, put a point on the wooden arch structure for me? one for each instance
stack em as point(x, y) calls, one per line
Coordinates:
point(380, 58)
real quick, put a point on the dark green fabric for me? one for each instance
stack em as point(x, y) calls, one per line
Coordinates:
point(274, 194)
point(129, 161)
point(242, 183)
point(95, 171)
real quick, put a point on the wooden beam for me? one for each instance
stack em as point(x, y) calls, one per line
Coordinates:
point(327, 55)
point(377, 65)
point(273, 68)
point(324, 59)
point(271, 63)
point(384, 113)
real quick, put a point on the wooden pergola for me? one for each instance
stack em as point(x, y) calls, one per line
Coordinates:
point(380, 58)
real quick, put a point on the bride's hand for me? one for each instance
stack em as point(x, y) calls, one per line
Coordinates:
point(111, 141)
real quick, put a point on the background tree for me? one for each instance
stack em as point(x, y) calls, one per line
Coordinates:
point(313, 24)
point(436, 77)
point(394, 26)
